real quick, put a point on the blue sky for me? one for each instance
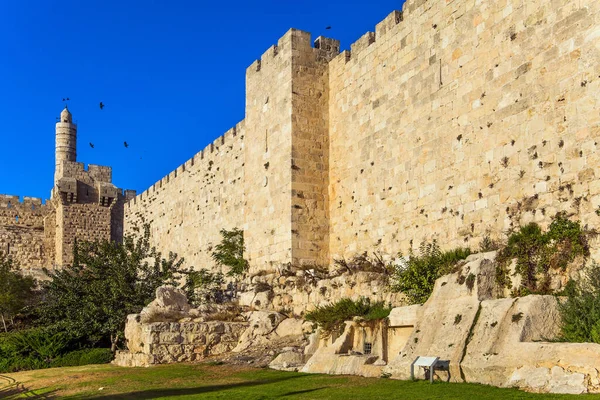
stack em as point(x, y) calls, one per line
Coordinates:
point(171, 74)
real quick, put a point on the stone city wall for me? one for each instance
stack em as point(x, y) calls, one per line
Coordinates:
point(22, 230)
point(187, 208)
point(455, 119)
point(452, 120)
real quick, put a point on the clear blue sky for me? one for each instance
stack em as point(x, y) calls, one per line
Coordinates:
point(171, 74)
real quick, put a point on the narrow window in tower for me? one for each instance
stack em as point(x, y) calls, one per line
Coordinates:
point(16, 218)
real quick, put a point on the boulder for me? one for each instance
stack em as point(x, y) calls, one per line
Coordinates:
point(170, 304)
point(288, 361)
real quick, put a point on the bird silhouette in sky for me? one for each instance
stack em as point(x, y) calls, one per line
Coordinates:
point(91, 145)
point(101, 105)
point(67, 99)
point(328, 27)
point(125, 144)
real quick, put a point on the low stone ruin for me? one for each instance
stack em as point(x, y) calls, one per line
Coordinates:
point(169, 330)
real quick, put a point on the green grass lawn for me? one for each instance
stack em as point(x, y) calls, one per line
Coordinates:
point(203, 381)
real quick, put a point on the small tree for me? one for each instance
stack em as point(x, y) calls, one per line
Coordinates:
point(204, 286)
point(108, 280)
point(230, 252)
point(581, 311)
point(16, 290)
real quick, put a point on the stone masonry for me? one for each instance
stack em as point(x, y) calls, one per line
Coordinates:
point(84, 205)
point(453, 120)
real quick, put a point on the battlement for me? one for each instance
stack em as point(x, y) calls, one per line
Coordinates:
point(385, 27)
point(195, 161)
point(8, 201)
point(297, 40)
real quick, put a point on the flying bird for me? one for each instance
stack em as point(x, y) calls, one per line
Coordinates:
point(125, 144)
point(328, 27)
point(67, 99)
point(101, 105)
point(91, 145)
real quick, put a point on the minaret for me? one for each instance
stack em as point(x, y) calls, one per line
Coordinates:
point(66, 142)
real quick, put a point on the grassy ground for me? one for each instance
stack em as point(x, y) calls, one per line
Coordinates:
point(186, 381)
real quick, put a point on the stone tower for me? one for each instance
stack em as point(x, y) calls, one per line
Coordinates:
point(87, 206)
point(66, 142)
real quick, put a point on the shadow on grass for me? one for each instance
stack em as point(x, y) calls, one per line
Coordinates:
point(302, 392)
point(154, 393)
point(17, 390)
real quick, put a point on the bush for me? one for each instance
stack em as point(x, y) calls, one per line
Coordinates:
point(417, 275)
point(107, 281)
point(331, 317)
point(538, 252)
point(31, 349)
point(581, 310)
point(83, 357)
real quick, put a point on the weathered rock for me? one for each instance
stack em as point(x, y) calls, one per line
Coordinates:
point(288, 361)
point(494, 341)
point(260, 324)
point(290, 327)
point(340, 358)
point(170, 304)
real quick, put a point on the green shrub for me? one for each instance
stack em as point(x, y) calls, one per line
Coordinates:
point(83, 357)
point(417, 276)
point(331, 317)
point(581, 310)
point(538, 252)
point(230, 252)
point(31, 349)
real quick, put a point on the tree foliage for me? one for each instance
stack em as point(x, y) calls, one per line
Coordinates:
point(581, 310)
point(16, 291)
point(203, 287)
point(230, 252)
point(108, 280)
point(416, 275)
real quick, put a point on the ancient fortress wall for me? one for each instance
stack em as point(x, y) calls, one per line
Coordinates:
point(187, 208)
point(453, 120)
point(461, 118)
point(22, 229)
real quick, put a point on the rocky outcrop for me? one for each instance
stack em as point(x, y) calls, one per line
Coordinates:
point(302, 290)
point(496, 341)
point(342, 357)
